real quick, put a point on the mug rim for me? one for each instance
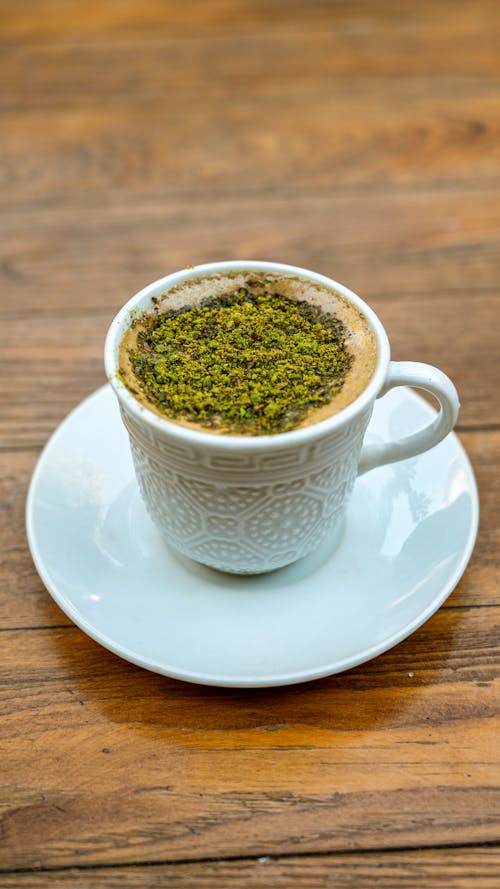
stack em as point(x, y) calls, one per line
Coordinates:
point(186, 434)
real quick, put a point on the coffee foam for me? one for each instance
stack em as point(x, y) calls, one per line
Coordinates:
point(360, 339)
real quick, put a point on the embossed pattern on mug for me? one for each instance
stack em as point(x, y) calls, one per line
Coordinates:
point(291, 500)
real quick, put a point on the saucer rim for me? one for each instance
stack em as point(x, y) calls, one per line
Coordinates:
point(235, 681)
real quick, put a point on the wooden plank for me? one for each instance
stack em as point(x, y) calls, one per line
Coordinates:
point(354, 141)
point(398, 244)
point(105, 762)
point(345, 97)
point(96, 18)
point(296, 59)
point(418, 869)
point(87, 153)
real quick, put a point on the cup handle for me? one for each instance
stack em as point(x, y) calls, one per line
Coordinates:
point(421, 376)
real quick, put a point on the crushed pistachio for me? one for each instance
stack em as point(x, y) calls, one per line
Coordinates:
point(244, 362)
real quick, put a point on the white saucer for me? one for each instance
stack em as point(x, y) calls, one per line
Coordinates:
point(409, 534)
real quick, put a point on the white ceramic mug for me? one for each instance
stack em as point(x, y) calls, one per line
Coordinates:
point(248, 504)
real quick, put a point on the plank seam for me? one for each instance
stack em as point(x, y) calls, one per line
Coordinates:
point(280, 856)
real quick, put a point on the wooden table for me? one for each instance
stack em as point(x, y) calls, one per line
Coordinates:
point(359, 139)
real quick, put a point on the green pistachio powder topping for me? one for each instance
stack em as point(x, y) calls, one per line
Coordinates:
point(244, 362)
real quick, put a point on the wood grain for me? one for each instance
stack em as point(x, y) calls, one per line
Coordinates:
point(95, 18)
point(357, 139)
point(386, 97)
point(419, 869)
point(373, 140)
point(394, 244)
point(296, 60)
point(131, 766)
point(355, 145)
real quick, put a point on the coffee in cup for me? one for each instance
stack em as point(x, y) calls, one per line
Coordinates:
point(246, 354)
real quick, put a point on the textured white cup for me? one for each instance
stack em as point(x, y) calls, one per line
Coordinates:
point(251, 504)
